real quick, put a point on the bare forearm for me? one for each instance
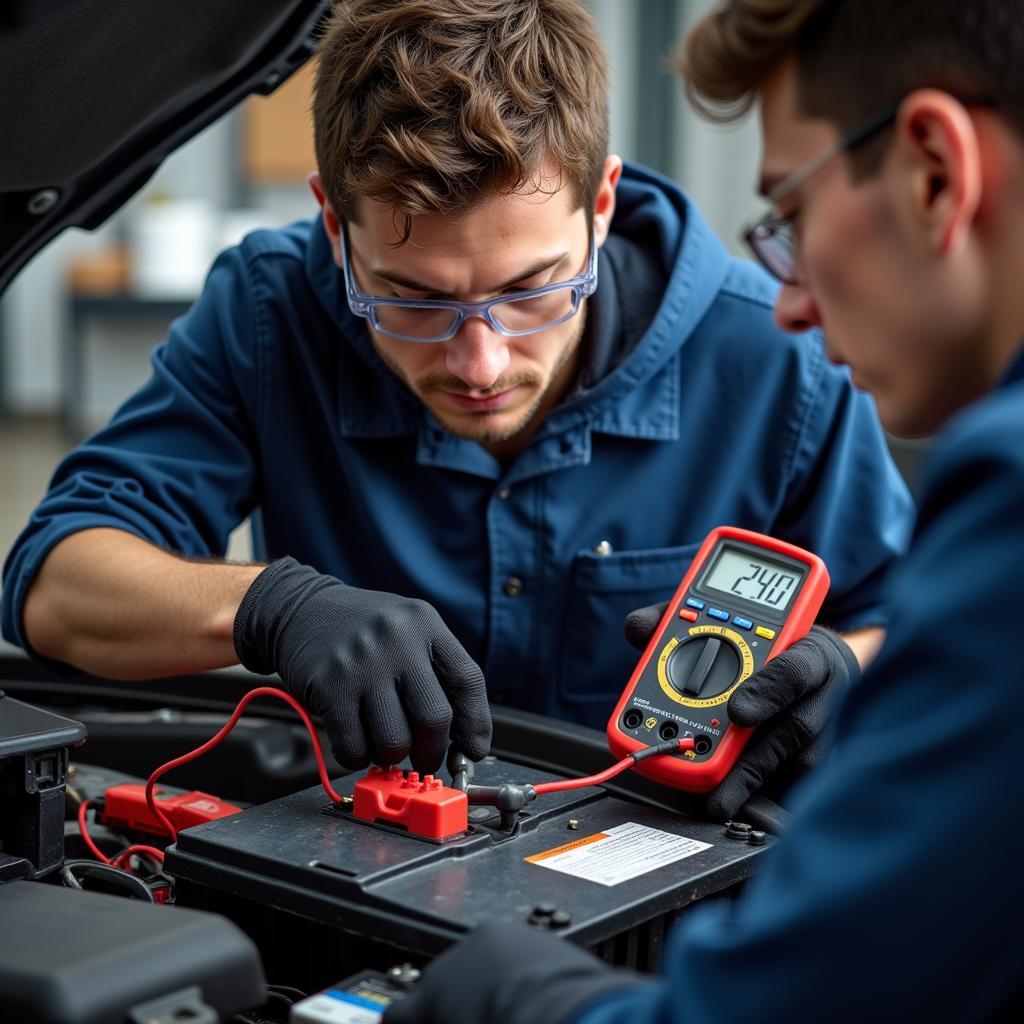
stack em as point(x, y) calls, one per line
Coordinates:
point(865, 643)
point(114, 605)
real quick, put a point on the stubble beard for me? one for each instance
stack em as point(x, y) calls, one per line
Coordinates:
point(479, 426)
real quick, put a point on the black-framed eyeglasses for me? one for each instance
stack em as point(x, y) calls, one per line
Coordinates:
point(770, 237)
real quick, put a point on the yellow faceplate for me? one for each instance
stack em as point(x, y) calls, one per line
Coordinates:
point(746, 667)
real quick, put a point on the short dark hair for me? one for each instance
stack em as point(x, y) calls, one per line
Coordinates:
point(857, 57)
point(431, 105)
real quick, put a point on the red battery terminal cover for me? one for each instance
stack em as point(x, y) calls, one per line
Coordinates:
point(424, 806)
point(125, 807)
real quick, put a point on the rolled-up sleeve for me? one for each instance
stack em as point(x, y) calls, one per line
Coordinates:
point(176, 465)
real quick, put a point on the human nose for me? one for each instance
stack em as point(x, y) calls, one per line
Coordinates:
point(795, 309)
point(477, 355)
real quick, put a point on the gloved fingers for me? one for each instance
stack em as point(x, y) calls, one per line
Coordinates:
point(810, 756)
point(430, 716)
point(778, 684)
point(733, 792)
point(387, 728)
point(766, 751)
point(463, 683)
point(509, 971)
point(445, 994)
point(347, 736)
point(640, 624)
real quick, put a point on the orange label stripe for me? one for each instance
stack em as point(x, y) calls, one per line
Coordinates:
point(568, 846)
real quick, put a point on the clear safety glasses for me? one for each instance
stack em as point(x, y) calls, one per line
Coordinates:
point(434, 320)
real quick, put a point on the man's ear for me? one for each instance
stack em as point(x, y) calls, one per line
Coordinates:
point(331, 223)
point(941, 147)
point(604, 201)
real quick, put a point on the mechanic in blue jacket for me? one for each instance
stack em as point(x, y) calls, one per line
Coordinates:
point(502, 388)
point(897, 214)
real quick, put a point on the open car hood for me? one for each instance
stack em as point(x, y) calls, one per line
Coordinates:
point(95, 94)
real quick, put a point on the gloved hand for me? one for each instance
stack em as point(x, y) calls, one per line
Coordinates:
point(512, 973)
point(641, 624)
point(382, 672)
point(788, 700)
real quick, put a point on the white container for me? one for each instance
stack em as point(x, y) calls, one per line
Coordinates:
point(235, 224)
point(171, 242)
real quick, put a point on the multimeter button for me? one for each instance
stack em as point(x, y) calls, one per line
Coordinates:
point(689, 614)
point(768, 634)
point(742, 623)
point(692, 602)
point(717, 613)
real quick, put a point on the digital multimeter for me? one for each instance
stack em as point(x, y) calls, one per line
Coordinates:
point(745, 598)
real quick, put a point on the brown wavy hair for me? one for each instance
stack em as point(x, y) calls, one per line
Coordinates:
point(431, 106)
point(854, 58)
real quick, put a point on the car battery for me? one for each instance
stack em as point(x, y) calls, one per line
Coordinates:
point(324, 894)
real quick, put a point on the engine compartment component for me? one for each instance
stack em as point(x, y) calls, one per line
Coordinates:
point(92, 958)
point(315, 886)
point(424, 807)
point(126, 808)
point(34, 748)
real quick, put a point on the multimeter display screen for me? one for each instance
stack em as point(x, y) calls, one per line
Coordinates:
point(754, 579)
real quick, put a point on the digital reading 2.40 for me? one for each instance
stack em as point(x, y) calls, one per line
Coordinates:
point(763, 582)
point(744, 598)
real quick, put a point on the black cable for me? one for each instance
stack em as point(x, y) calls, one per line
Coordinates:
point(666, 747)
point(293, 995)
point(94, 876)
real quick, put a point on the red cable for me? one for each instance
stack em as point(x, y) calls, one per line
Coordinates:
point(261, 691)
point(601, 777)
point(93, 848)
point(125, 856)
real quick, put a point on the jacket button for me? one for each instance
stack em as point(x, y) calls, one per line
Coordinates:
point(603, 548)
point(513, 586)
point(504, 493)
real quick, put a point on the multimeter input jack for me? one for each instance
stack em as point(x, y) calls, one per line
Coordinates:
point(701, 745)
point(632, 718)
point(668, 730)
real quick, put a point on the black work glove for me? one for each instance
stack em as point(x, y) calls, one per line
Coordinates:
point(789, 701)
point(383, 673)
point(641, 624)
point(512, 973)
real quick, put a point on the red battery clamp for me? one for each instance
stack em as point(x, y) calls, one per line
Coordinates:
point(745, 598)
point(125, 807)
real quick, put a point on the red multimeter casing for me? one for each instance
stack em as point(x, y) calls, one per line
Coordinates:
point(745, 598)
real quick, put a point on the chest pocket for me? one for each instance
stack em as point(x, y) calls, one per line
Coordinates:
point(596, 660)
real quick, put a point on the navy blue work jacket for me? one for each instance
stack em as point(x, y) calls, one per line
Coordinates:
point(896, 891)
point(268, 394)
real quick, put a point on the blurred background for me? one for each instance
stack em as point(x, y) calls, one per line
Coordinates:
point(78, 325)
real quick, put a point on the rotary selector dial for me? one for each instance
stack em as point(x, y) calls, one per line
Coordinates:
point(704, 668)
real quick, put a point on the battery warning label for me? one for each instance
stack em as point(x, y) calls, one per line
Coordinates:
point(621, 853)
